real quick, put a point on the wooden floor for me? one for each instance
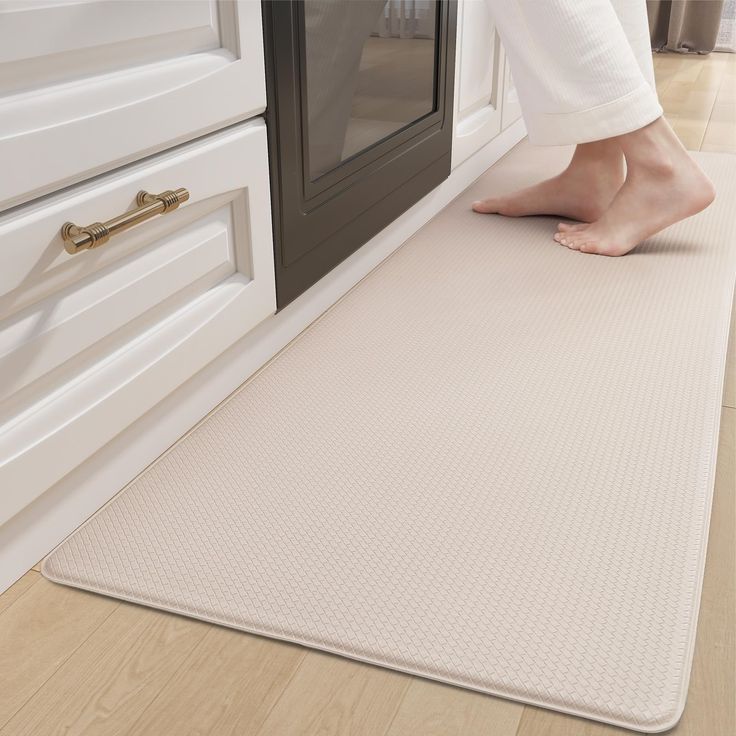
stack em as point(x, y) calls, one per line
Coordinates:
point(75, 663)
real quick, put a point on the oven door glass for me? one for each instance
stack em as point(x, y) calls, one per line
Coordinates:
point(371, 71)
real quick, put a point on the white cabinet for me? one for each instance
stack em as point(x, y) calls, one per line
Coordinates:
point(90, 342)
point(477, 81)
point(511, 109)
point(486, 100)
point(87, 85)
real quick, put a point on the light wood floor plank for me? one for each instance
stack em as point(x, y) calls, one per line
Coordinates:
point(226, 687)
point(666, 67)
point(720, 134)
point(539, 722)
point(334, 696)
point(39, 633)
point(710, 705)
point(17, 589)
point(102, 688)
point(689, 88)
point(432, 709)
point(729, 386)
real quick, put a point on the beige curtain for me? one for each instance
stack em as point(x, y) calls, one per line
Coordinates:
point(684, 25)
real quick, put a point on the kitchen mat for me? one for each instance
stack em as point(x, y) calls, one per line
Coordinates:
point(491, 464)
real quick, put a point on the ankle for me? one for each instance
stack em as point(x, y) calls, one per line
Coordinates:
point(597, 172)
point(597, 155)
point(654, 150)
point(657, 165)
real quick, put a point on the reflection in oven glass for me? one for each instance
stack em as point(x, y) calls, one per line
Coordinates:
point(370, 69)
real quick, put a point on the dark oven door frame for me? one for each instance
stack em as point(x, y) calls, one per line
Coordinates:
point(318, 223)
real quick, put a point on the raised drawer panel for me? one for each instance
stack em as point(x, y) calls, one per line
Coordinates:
point(63, 326)
point(511, 104)
point(86, 86)
point(478, 80)
point(46, 43)
point(90, 342)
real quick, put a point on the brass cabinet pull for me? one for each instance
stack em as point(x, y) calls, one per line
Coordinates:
point(78, 238)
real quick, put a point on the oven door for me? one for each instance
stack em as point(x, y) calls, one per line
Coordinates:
point(359, 116)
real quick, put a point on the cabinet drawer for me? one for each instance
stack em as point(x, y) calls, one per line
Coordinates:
point(90, 342)
point(87, 86)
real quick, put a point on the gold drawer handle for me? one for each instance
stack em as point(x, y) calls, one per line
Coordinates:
point(78, 238)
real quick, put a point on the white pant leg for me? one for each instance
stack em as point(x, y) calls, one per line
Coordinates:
point(583, 68)
point(632, 14)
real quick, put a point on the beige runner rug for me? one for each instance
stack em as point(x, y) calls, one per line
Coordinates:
point(490, 464)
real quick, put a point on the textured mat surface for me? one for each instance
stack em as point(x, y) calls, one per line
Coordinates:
point(490, 464)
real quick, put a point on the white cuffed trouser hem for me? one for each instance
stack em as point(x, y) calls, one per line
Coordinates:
point(623, 115)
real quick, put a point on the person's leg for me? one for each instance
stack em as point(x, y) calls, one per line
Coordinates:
point(663, 186)
point(561, 106)
point(602, 50)
point(578, 77)
point(632, 15)
point(583, 191)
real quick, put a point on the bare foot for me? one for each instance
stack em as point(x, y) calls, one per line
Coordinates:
point(582, 192)
point(570, 226)
point(650, 200)
point(663, 185)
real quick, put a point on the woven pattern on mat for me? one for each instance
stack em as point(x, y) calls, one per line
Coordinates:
point(490, 464)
